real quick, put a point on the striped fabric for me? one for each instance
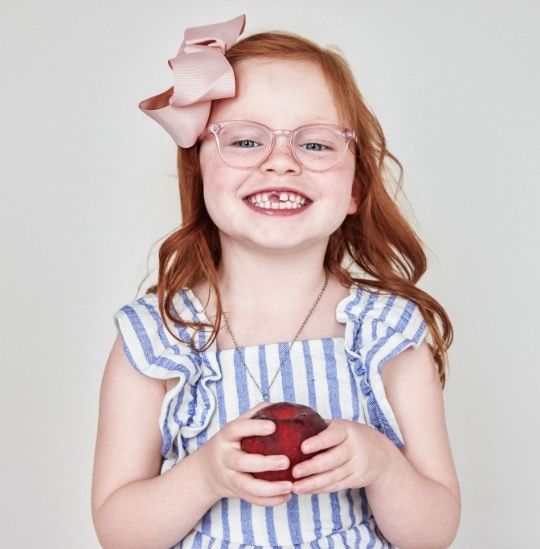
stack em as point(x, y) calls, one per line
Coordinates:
point(339, 377)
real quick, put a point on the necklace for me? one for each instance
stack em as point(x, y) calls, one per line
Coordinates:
point(266, 394)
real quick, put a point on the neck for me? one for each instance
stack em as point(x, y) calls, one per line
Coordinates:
point(267, 295)
point(266, 298)
point(277, 281)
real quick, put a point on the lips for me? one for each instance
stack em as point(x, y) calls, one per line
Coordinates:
point(278, 200)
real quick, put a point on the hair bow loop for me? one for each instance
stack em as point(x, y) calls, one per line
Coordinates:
point(218, 33)
point(199, 46)
point(200, 74)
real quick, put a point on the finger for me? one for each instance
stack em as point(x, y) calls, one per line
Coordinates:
point(256, 463)
point(241, 428)
point(255, 409)
point(330, 437)
point(324, 483)
point(257, 488)
point(270, 502)
point(328, 460)
point(245, 426)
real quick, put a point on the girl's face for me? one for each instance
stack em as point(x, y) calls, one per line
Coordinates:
point(250, 206)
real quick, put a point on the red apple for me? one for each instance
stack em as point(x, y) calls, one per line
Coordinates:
point(294, 424)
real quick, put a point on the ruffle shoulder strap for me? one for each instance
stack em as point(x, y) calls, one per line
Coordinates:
point(378, 328)
point(153, 351)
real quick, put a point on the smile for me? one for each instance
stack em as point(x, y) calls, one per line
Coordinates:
point(277, 200)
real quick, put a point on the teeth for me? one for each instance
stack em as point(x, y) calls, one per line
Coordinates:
point(283, 201)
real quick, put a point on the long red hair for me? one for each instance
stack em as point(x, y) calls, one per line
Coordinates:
point(377, 239)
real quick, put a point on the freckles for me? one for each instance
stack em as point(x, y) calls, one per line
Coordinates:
point(212, 172)
point(209, 160)
point(221, 182)
point(344, 176)
point(220, 179)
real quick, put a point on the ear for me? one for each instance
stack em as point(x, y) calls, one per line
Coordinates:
point(355, 198)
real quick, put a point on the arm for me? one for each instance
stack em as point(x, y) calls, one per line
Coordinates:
point(413, 492)
point(133, 505)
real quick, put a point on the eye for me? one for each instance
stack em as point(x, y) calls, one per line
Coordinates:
point(245, 144)
point(314, 147)
point(316, 139)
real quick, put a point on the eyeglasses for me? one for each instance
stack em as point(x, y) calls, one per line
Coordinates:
point(244, 144)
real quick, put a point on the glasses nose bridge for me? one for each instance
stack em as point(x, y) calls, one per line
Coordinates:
point(283, 133)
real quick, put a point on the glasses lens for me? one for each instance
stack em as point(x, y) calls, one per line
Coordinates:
point(319, 147)
point(244, 144)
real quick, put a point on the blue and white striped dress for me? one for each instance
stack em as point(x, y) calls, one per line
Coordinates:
point(339, 377)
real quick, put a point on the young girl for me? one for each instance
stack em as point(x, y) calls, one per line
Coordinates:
point(292, 278)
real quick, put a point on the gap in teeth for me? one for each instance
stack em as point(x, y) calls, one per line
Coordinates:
point(277, 201)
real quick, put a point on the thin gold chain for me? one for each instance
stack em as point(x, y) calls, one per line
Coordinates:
point(266, 395)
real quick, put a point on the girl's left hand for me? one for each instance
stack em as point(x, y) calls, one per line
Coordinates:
point(413, 491)
point(352, 455)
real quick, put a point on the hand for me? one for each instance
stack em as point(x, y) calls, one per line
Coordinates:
point(228, 469)
point(352, 455)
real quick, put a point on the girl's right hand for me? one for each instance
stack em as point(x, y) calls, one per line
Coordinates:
point(227, 468)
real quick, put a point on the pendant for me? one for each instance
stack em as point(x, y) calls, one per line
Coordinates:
point(266, 397)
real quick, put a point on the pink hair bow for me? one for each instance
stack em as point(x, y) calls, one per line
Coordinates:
point(200, 74)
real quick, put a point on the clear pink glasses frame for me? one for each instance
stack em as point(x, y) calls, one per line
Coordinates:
point(321, 146)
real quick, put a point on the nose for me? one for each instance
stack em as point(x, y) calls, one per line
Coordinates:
point(281, 159)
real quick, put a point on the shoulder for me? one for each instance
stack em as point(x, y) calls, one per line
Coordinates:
point(376, 316)
point(186, 305)
point(154, 345)
point(144, 315)
point(379, 327)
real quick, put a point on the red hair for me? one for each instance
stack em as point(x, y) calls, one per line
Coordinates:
point(377, 238)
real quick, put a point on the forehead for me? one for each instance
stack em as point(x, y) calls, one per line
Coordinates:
point(279, 93)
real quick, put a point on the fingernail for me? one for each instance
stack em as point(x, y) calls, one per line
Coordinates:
point(282, 464)
point(299, 473)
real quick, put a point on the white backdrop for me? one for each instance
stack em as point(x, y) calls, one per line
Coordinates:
point(88, 186)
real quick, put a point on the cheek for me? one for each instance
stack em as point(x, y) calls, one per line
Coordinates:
point(220, 183)
point(206, 160)
point(212, 171)
point(343, 204)
point(349, 191)
point(354, 200)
